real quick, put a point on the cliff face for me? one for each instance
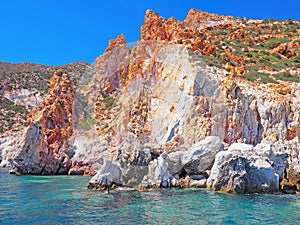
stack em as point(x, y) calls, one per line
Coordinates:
point(46, 148)
point(171, 98)
point(165, 95)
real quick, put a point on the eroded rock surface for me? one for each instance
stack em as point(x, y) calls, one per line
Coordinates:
point(109, 175)
point(47, 145)
point(247, 169)
point(168, 112)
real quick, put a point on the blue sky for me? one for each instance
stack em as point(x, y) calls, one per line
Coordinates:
point(56, 32)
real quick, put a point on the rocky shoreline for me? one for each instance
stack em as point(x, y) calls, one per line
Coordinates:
point(242, 168)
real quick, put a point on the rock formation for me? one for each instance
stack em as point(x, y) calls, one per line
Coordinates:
point(211, 101)
point(22, 87)
point(170, 120)
point(107, 176)
point(47, 146)
point(247, 169)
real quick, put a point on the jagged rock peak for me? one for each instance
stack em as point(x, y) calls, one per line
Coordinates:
point(158, 28)
point(119, 42)
point(46, 148)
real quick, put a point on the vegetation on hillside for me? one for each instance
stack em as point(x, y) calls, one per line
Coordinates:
point(32, 77)
point(267, 49)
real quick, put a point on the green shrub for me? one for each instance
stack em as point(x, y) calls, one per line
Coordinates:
point(108, 100)
point(87, 125)
point(295, 59)
point(265, 78)
point(286, 76)
point(275, 42)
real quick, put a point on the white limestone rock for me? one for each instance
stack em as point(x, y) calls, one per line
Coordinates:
point(200, 156)
point(246, 169)
point(109, 174)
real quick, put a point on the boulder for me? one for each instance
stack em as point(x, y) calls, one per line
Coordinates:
point(245, 169)
point(291, 183)
point(197, 159)
point(198, 183)
point(158, 174)
point(81, 168)
point(200, 156)
point(176, 162)
point(110, 174)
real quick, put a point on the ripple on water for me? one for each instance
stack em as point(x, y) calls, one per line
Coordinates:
point(65, 200)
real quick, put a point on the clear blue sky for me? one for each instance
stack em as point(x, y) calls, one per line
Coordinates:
point(56, 32)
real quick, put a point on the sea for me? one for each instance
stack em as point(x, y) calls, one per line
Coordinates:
point(66, 200)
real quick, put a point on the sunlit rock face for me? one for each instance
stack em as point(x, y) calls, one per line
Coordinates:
point(172, 100)
point(46, 148)
point(161, 96)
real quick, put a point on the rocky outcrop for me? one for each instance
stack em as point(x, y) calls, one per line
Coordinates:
point(108, 176)
point(156, 28)
point(22, 88)
point(284, 50)
point(291, 182)
point(158, 174)
point(165, 113)
point(247, 169)
point(47, 146)
point(182, 168)
point(164, 171)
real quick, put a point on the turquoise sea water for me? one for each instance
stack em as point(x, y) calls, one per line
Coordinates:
point(65, 200)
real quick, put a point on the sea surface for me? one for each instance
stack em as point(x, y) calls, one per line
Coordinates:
point(66, 200)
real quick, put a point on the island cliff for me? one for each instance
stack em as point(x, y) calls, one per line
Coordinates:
point(204, 102)
point(175, 116)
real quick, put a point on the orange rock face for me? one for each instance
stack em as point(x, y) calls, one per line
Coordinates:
point(234, 58)
point(120, 41)
point(281, 88)
point(47, 145)
point(153, 28)
point(284, 50)
point(187, 32)
point(236, 70)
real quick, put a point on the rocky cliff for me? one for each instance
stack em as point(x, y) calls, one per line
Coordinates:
point(180, 85)
point(47, 145)
point(212, 101)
